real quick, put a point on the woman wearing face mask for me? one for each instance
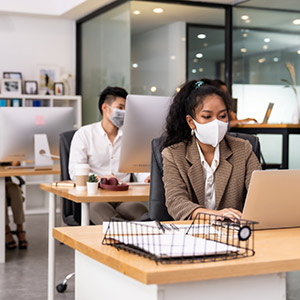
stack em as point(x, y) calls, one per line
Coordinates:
point(204, 170)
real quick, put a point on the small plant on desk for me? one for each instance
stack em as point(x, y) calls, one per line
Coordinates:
point(92, 184)
point(92, 178)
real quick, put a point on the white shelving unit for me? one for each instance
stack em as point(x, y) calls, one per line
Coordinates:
point(36, 200)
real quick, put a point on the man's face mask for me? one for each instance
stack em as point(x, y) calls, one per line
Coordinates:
point(117, 117)
point(211, 133)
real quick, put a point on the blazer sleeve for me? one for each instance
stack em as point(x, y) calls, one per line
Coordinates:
point(178, 201)
point(252, 163)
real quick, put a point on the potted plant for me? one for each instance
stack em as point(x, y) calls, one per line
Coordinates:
point(92, 184)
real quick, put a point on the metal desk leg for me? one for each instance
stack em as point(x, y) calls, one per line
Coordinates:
point(285, 151)
point(2, 219)
point(51, 247)
point(85, 215)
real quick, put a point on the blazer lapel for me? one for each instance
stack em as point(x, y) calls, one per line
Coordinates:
point(223, 172)
point(195, 172)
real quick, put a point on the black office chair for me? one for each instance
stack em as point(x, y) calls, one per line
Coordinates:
point(71, 211)
point(157, 207)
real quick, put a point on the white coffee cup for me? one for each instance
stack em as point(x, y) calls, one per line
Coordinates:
point(81, 175)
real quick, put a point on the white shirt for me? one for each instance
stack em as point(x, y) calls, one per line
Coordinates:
point(91, 145)
point(210, 199)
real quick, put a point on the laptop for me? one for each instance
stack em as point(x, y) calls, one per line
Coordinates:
point(273, 199)
point(268, 113)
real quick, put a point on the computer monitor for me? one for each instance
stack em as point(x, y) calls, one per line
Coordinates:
point(145, 120)
point(19, 125)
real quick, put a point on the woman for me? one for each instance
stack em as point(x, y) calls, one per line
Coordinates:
point(204, 170)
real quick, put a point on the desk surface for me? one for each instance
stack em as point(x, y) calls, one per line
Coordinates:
point(24, 172)
point(134, 193)
point(267, 126)
point(276, 251)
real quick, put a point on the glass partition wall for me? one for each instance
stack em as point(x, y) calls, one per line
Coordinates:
point(149, 48)
point(266, 50)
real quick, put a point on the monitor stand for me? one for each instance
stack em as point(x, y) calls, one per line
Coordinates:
point(42, 156)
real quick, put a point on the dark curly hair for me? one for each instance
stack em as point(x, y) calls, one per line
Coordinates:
point(185, 102)
point(109, 95)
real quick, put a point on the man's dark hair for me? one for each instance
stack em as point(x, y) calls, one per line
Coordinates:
point(109, 95)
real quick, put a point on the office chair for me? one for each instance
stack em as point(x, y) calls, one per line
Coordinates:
point(157, 207)
point(71, 211)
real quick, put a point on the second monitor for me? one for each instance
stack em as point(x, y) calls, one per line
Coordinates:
point(145, 120)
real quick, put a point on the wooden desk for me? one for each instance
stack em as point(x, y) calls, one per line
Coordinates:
point(134, 193)
point(284, 129)
point(104, 271)
point(15, 172)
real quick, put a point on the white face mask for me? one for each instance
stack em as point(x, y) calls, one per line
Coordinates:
point(117, 117)
point(211, 133)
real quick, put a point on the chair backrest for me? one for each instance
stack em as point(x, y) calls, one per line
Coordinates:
point(157, 207)
point(71, 211)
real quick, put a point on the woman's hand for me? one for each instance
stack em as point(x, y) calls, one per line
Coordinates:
point(229, 213)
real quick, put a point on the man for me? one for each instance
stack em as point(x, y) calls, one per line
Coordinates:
point(99, 145)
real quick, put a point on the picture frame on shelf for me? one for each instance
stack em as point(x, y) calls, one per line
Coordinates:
point(30, 87)
point(11, 86)
point(46, 75)
point(58, 88)
point(12, 75)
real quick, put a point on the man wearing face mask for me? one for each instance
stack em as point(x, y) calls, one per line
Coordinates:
point(99, 145)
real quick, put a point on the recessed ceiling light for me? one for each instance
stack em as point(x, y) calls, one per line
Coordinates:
point(172, 57)
point(153, 89)
point(298, 52)
point(243, 50)
point(195, 60)
point(199, 55)
point(205, 45)
point(201, 36)
point(267, 40)
point(194, 71)
point(158, 10)
point(296, 22)
point(200, 70)
point(265, 47)
point(245, 34)
point(135, 66)
point(177, 89)
point(262, 60)
point(244, 17)
point(136, 12)
point(275, 59)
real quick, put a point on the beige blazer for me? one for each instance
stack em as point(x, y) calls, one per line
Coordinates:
point(184, 179)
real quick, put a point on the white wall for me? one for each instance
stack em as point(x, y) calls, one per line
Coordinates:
point(29, 41)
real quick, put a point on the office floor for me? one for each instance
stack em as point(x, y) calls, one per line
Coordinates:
point(24, 275)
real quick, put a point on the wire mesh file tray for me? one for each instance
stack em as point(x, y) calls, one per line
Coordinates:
point(207, 238)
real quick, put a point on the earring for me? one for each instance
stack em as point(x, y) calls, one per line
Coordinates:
point(192, 132)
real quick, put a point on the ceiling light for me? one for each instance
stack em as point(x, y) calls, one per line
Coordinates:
point(267, 40)
point(200, 70)
point(298, 51)
point(262, 60)
point(153, 89)
point(194, 71)
point(135, 66)
point(136, 12)
point(158, 10)
point(201, 36)
point(245, 34)
point(243, 50)
point(205, 45)
point(265, 47)
point(199, 55)
point(195, 60)
point(275, 59)
point(244, 17)
point(296, 22)
point(173, 57)
point(177, 89)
